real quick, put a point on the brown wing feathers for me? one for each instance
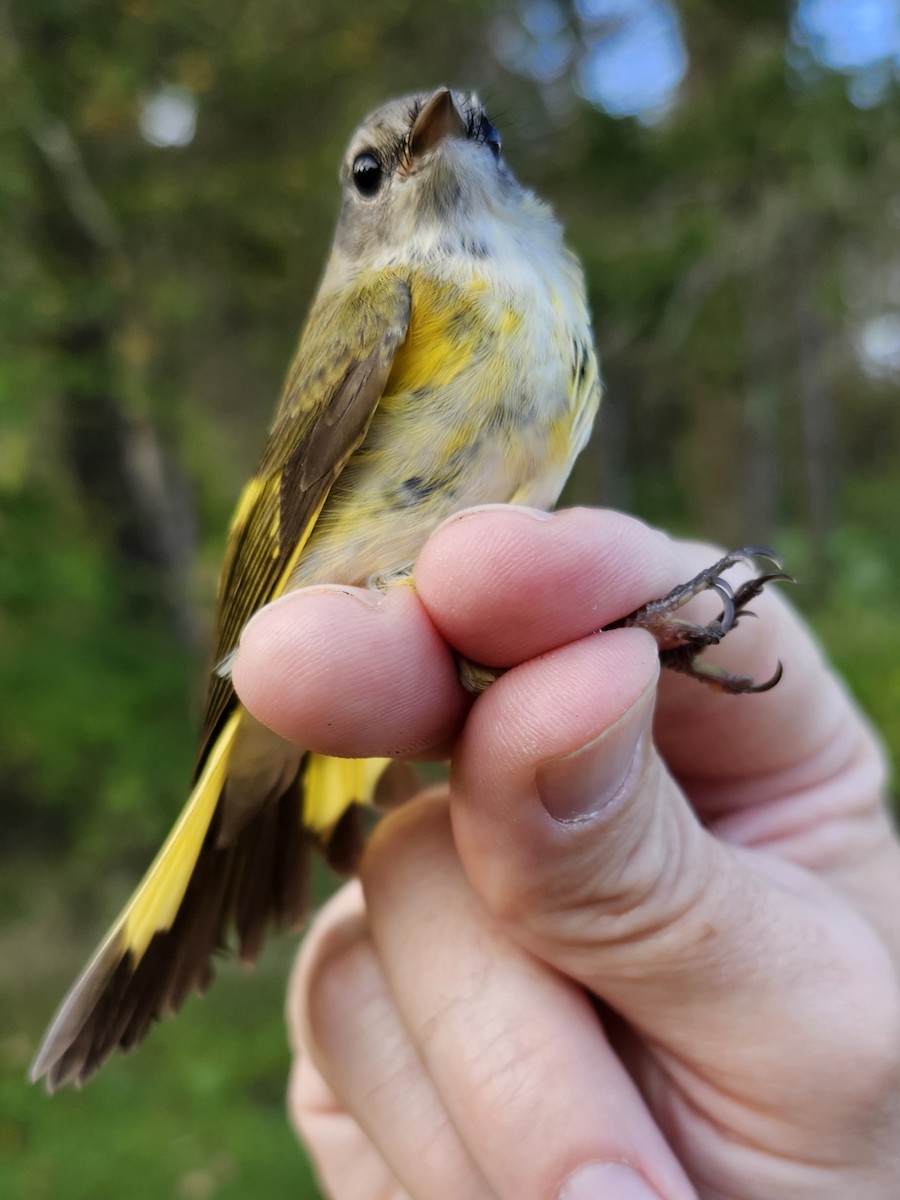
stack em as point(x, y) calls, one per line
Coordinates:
point(255, 872)
point(314, 435)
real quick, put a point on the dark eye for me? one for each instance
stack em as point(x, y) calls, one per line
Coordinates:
point(367, 173)
point(489, 135)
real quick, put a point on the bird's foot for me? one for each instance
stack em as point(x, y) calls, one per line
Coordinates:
point(681, 642)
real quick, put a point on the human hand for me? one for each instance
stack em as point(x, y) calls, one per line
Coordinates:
point(730, 891)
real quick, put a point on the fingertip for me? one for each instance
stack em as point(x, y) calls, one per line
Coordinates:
point(416, 839)
point(281, 667)
point(336, 928)
point(350, 672)
point(543, 711)
point(505, 583)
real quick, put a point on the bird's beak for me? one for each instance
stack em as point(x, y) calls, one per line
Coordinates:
point(440, 118)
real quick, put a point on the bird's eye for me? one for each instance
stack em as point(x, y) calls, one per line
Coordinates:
point(367, 173)
point(489, 135)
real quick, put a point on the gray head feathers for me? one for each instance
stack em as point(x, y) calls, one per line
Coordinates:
point(420, 175)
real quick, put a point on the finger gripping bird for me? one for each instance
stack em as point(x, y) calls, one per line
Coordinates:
point(447, 361)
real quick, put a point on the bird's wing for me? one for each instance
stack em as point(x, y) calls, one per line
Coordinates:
point(330, 396)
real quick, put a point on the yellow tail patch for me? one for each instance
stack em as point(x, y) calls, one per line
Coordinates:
point(331, 785)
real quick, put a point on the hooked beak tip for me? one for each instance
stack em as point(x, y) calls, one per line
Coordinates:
point(439, 118)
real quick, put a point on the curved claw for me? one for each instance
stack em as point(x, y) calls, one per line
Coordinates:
point(751, 552)
point(681, 642)
point(770, 683)
point(727, 615)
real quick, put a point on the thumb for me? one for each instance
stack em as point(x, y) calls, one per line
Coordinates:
point(580, 842)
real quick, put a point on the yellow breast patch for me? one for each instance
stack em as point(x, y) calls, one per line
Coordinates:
point(446, 328)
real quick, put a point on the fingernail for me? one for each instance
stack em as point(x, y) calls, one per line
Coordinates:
point(606, 1181)
point(365, 596)
point(536, 514)
point(368, 597)
point(581, 784)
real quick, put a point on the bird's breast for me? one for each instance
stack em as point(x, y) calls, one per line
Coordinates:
point(483, 405)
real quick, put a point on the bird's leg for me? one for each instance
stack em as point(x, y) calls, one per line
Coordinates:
point(476, 677)
point(682, 642)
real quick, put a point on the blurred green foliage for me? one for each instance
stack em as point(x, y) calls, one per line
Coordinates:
point(201, 1114)
point(736, 249)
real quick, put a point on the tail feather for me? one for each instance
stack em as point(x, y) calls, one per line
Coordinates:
point(89, 1023)
point(213, 875)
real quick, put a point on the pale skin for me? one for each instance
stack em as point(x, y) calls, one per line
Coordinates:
point(729, 888)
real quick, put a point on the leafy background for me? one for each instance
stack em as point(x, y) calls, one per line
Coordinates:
point(730, 174)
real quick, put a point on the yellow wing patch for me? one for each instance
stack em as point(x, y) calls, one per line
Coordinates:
point(247, 502)
point(332, 391)
point(154, 905)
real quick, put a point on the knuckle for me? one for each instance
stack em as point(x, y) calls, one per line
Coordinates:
point(326, 972)
point(406, 839)
point(867, 1028)
point(336, 983)
point(628, 895)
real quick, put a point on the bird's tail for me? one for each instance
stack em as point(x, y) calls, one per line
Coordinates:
point(236, 862)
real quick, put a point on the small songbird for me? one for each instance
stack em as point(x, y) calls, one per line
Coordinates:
point(447, 361)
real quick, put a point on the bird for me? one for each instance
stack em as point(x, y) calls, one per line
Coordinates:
point(447, 360)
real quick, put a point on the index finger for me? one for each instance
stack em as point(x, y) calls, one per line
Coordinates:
point(504, 585)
